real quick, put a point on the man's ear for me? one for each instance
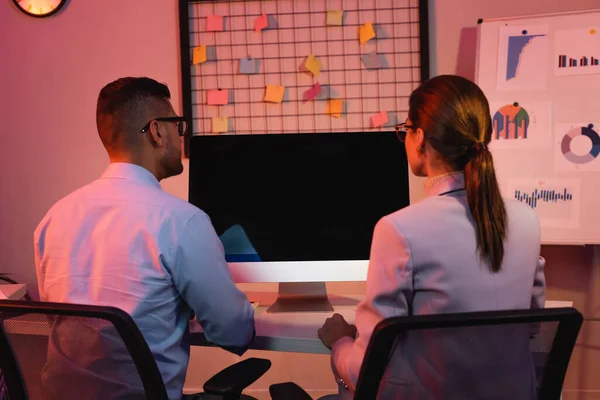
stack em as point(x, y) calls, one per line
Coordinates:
point(156, 137)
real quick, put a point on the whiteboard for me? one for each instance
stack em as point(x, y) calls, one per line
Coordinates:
point(541, 76)
point(366, 87)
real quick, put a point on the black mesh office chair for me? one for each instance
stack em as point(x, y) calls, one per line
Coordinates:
point(520, 354)
point(67, 351)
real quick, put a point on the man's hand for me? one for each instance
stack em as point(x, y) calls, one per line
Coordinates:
point(334, 329)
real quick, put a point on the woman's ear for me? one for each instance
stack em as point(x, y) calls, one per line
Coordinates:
point(420, 140)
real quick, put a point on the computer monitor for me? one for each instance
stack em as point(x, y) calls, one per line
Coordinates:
point(302, 199)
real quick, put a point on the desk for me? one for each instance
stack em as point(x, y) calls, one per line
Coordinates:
point(290, 332)
point(297, 332)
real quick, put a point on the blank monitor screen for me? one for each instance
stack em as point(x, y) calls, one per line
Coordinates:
point(298, 197)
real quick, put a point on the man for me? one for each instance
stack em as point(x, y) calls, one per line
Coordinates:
point(121, 241)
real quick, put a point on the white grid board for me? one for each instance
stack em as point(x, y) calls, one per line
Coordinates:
point(301, 30)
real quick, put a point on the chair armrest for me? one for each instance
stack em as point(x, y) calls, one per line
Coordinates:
point(235, 378)
point(288, 391)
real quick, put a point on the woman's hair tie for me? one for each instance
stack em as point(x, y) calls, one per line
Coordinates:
point(480, 146)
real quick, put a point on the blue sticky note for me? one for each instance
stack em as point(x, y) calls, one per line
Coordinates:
point(248, 66)
point(371, 60)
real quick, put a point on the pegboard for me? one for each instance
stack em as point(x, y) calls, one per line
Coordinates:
point(368, 78)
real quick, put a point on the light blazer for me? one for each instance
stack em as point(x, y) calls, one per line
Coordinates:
point(424, 261)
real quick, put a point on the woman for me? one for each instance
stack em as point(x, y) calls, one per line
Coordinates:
point(463, 248)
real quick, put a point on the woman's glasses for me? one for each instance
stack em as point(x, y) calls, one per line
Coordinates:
point(401, 130)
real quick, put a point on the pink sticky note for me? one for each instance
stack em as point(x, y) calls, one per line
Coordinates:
point(312, 92)
point(218, 97)
point(379, 119)
point(214, 23)
point(261, 23)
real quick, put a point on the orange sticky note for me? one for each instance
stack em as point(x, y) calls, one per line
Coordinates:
point(218, 97)
point(379, 119)
point(261, 23)
point(274, 93)
point(312, 64)
point(366, 33)
point(214, 23)
point(220, 124)
point(335, 17)
point(199, 55)
point(335, 108)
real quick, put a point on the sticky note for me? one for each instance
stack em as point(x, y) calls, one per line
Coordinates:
point(371, 60)
point(335, 17)
point(335, 108)
point(261, 23)
point(214, 23)
point(366, 33)
point(379, 119)
point(199, 55)
point(311, 64)
point(220, 124)
point(312, 92)
point(218, 97)
point(248, 66)
point(274, 93)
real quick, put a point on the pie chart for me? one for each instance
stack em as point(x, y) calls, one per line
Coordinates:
point(565, 145)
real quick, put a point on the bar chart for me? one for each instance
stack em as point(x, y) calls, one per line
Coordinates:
point(535, 196)
point(573, 62)
point(555, 201)
point(577, 51)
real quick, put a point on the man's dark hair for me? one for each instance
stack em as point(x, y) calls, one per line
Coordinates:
point(125, 106)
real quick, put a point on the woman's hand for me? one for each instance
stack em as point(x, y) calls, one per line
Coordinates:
point(334, 329)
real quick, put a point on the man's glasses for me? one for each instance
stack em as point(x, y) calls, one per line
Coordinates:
point(179, 121)
point(401, 130)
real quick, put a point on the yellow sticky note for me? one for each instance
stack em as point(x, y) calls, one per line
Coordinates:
point(366, 33)
point(199, 55)
point(312, 64)
point(335, 17)
point(274, 93)
point(335, 108)
point(220, 124)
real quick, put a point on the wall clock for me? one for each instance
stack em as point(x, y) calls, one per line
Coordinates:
point(39, 8)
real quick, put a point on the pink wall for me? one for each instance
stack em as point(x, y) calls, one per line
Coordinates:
point(52, 70)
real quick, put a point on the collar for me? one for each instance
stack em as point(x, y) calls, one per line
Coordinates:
point(130, 172)
point(444, 183)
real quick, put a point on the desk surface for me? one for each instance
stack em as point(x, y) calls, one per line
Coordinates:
point(291, 332)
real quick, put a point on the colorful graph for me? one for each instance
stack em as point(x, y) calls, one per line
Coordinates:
point(583, 61)
point(555, 201)
point(522, 52)
point(577, 51)
point(510, 122)
point(516, 47)
point(585, 131)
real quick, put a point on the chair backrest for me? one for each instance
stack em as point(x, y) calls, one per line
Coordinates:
point(493, 355)
point(64, 351)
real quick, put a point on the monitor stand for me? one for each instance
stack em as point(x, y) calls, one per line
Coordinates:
point(301, 297)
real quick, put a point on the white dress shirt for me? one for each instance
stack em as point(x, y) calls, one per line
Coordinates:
point(122, 241)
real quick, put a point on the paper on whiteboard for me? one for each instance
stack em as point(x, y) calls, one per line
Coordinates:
point(577, 147)
point(522, 58)
point(517, 124)
point(577, 51)
point(555, 201)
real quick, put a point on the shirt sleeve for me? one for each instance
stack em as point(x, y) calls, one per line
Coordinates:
point(389, 293)
point(539, 285)
point(202, 277)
